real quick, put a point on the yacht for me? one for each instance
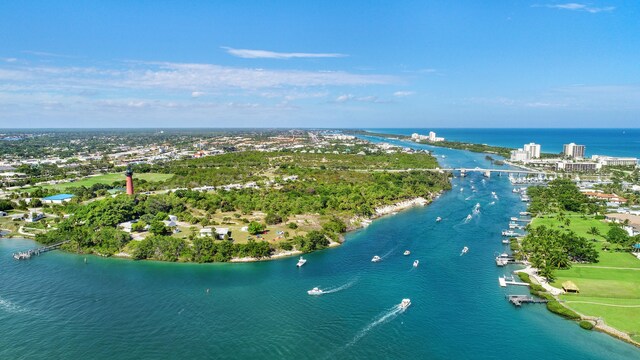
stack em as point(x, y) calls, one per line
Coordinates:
point(315, 291)
point(503, 259)
point(415, 263)
point(376, 259)
point(404, 304)
point(464, 250)
point(510, 233)
point(406, 252)
point(301, 261)
point(514, 219)
point(438, 219)
point(506, 241)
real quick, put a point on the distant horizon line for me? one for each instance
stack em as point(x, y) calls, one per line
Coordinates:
point(314, 128)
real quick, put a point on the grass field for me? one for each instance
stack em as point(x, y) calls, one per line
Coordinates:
point(108, 179)
point(610, 288)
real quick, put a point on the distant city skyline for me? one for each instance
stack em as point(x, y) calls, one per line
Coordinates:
point(459, 64)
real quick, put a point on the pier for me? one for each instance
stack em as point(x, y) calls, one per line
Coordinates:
point(518, 300)
point(25, 255)
point(504, 281)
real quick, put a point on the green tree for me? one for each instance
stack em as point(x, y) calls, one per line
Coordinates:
point(158, 228)
point(617, 235)
point(256, 228)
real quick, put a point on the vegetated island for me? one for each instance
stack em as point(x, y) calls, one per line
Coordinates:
point(248, 205)
point(583, 265)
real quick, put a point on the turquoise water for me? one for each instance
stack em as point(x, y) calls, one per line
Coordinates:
point(612, 142)
point(56, 306)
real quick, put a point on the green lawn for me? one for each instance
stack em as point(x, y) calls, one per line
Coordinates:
point(598, 282)
point(108, 179)
point(578, 224)
point(624, 318)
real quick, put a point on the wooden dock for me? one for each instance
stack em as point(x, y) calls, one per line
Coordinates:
point(518, 300)
point(25, 255)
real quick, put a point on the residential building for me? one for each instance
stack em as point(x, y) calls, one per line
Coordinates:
point(519, 155)
point(569, 166)
point(533, 150)
point(614, 161)
point(573, 150)
point(609, 198)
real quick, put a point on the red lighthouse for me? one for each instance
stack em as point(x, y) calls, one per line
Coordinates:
point(129, 175)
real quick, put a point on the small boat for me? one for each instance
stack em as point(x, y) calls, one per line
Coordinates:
point(315, 291)
point(469, 217)
point(404, 304)
point(301, 261)
point(525, 213)
point(464, 250)
point(515, 190)
point(506, 241)
point(514, 219)
point(406, 252)
point(415, 263)
point(376, 258)
point(438, 219)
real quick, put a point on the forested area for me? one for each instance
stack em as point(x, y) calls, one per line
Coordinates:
point(336, 187)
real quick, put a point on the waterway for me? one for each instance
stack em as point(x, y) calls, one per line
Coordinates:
point(58, 306)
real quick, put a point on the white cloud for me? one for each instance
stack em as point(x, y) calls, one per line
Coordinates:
point(366, 99)
point(344, 98)
point(578, 7)
point(265, 54)
point(196, 94)
point(403, 93)
point(10, 60)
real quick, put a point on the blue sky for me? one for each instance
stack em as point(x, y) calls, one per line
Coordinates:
point(319, 64)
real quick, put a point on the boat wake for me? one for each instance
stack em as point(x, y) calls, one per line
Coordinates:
point(10, 307)
point(341, 287)
point(492, 203)
point(386, 255)
point(468, 198)
point(386, 316)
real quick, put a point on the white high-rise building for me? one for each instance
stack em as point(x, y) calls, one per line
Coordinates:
point(519, 155)
point(574, 151)
point(533, 149)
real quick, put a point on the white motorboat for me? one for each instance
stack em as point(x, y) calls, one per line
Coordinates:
point(415, 263)
point(514, 218)
point(464, 250)
point(469, 217)
point(301, 261)
point(506, 241)
point(315, 291)
point(376, 258)
point(438, 219)
point(406, 252)
point(404, 304)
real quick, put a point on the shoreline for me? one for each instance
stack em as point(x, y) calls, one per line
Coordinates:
point(358, 222)
point(599, 324)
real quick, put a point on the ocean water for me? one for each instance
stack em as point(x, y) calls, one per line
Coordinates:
point(612, 142)
point(56, 306)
